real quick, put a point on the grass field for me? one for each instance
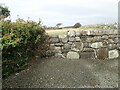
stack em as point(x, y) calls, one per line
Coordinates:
point(63, 31)
point(60, 31)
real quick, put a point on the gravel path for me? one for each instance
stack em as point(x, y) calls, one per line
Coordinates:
point(65, 73)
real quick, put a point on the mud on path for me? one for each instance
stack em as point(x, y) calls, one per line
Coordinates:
point(64, 73)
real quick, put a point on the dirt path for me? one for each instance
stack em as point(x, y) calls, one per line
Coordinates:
point(64, 73)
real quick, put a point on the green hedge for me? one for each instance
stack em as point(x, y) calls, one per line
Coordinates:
point(21, 41)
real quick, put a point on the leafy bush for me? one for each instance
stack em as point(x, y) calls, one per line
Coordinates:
point(21, 40)
point(4, 12)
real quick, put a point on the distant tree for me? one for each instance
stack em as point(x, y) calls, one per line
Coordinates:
point(4, 12)
point(58, 25)
point(77, 25)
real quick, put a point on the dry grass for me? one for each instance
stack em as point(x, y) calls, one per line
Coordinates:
point(60, 31)
point(64, 31)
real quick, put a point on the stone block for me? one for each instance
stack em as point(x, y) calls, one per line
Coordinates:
point(97, 45)
point(86, 45)
point(88, 50)
point(85, 32)
point(67, 46)
point(71, 33)
point(75, 49)
point(97, 39)
point(73, 45)
point(116, 40)
point(52, 47)
point(87, 55)
point(115, 31)
point(106, 32)
point(111, 32)
point(105, 37)
point(70, 43)
point(96, 32)
point(113, 54)
point(110, 41)
point(54, 40)
point(49, 53)
point(89, 39)
point(64, 40)
point(58, 44)
point(112, 46)
point(100, 32)
point(57, 48)
point(65, 51)
point(78, 33)
point(58, 55)
point(72, 39)
point(83, 39)
point(57, 51)
point(118, 46)
point(73, 55)
point(92, 32)
point(79, 45)
point(77, 39)
point(102, 53)
point(112, 36)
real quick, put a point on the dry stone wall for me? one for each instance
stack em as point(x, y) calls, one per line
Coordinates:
point(86, 44)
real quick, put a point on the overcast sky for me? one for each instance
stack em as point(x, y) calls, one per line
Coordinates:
point(67, 12)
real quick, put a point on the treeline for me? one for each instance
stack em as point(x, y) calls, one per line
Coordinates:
point(77, 25)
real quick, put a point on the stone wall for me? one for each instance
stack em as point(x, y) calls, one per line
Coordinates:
point(92, 44)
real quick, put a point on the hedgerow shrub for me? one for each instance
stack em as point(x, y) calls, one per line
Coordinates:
point(21, 40)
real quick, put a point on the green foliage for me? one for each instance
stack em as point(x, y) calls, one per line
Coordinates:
point(20, 41)
point(77, 25)
point(4, 12)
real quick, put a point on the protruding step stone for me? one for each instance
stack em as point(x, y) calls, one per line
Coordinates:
point(113, 54)
point(73, 55)
point(87, 55)
point(102, 53)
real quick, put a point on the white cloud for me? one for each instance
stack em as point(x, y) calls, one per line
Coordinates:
point(65, 11)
